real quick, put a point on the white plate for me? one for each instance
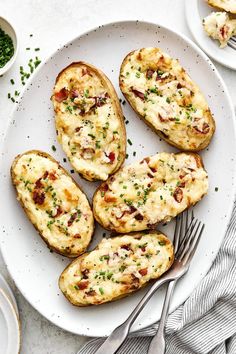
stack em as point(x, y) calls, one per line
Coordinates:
point(195, 11)
point(9, 327)
point(36, 270)
point(7, 290)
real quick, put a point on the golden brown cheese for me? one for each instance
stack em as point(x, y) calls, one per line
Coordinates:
point(89, 121)
point(219, 26)
point(154, 190)
point(53, 202)
point(162, 93)
point(117, 267)
point(226, 5)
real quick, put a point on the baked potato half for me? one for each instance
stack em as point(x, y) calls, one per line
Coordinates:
point(226, 5)
point(154, 190)
point(89, 121)
point(158, 88)
point(53, 202)
point(116, 268)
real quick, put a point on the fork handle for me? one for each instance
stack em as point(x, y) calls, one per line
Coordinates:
point(158, 344)
point(118, 336)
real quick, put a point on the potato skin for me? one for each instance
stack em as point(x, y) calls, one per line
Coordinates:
point(67, 252)
point(198, 141)
point(122, 210)
point(67, 286)
point(223, 5)
point(97, 170)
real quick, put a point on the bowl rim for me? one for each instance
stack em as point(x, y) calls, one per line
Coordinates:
point(9, 64)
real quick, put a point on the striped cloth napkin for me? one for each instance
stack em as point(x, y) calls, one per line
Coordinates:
point(206, 322)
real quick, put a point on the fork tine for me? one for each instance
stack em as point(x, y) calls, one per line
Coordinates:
point(189, 255)
point(177, 232)
point(190, 239)
point(186, 237)
point(186, 222)
point(233, 39)
point(232, 44)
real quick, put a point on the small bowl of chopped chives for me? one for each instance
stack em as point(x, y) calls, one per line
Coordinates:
point(8, 45)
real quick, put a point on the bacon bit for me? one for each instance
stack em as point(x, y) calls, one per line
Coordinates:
point(153, 169)
point(61, 95)
point(110, 198)
point(132, 209)
point(224, 31)
point(86, 71)
point(149, 73)
point(59, 212)
point(72, 219)
point(82, 112)
point(135, 282)
point(179, 86)
point(112, 157)
point(125, 247)
point(139, 217)
point(83, 284)
point(138, 94)
point(150, 175)
point(143, 271)
point(146, 159)
point(77, 129)
point(182, 176)
point(91, 293)
point(104, 187)
point(178, 195)
point(52, 176)
point(45, 175)
point(38, 184)
point(85, 273)
point(164, 181)
point(181, 185)
point(74, 93)
point(38, 197)
point(162, 119)
point(205, 128)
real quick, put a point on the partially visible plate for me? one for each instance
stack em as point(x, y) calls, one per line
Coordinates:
point(9, 326)
point(195, 11)
point(34, 269)
point(7, 290)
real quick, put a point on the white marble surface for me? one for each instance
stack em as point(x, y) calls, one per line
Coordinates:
point(52, 23)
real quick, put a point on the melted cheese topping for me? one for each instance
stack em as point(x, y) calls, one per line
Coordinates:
point(117, 267)
point(160, 90)
point(145, 193)
point(54, 203)
point(219, 26)
point(227, 5)
point(89, 122)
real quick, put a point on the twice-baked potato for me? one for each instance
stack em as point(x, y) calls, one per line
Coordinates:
point(53, 202)
point(226, 5)
point(154, 190)
point(116, 268)
point(158, 88)
point(89, 121)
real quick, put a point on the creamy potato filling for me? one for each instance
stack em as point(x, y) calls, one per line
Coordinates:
point(164, 95)
point(219, 26)
point(87, 122)
point(55, 204)
point(144, 193)
point(118, 266)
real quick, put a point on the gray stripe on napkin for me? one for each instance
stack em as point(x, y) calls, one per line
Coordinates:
point(206, 322)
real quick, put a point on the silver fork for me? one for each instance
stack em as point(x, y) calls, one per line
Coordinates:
point(232, 42)
point(180, 266)
point(157, 344)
